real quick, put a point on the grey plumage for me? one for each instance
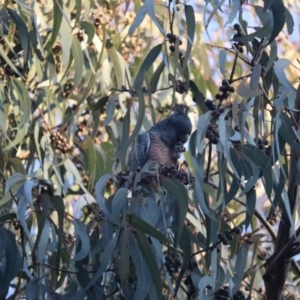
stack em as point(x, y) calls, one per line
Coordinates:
point(163, 143)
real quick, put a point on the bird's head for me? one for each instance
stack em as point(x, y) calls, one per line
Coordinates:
point(181, 123)
point(177, 127)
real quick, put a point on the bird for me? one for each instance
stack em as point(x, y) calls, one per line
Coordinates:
point(164, 142)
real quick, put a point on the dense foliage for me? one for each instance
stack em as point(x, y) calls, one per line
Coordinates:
point(79, 81)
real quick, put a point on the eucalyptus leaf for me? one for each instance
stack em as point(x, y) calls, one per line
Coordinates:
point(147, 63)
point(140, 16)
point(80, 230)
point(191, 27)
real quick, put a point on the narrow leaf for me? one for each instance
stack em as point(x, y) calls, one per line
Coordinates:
point(278, 11)
point(80, 230)
point(145, 227)
point(78, 62)
point(179, 192)
point(150, 259)
point(140, 16)
point(149, 4)
point(23, 33)
point(57, 4)
point(22, 96)
point(147, 63)
point(191, 27)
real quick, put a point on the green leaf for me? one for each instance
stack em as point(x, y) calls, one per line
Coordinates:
point(150, 259)
point(108, 151)
point(22, 96)
point(143, 276)
point(45, 204)
point(80, 230)
point(199, 98)
point(177, 190)
point(5, 21)
point(287, 132)
point(193, 144)
point(77, 11)
point(119, 203)
point(261, 161)
point(222, 62)
point(145, 227)
point(110, 109)
point(151, 12)
point(246, 92)
point(100, 166)
point(139, 122)
point(236, 5)
point(251, 203)
point(23, 33)
point(99, 189)
point(202, 124)
point(9, 62)
point(254, 78)
point(267, 4)
point(203, 283)
point(6, 217)
point(278, 12)
point(10, 262)
point(224, 140)
point(261, 33)
point(105, 260)
point(199, 189)
point(89, 29)
point(191, 27)
point(78, 62)
point(273, 55)
point(289, 21)
point(50, 68)
point(234, 187)
point(56, 23)
point(18, 138)
point(279, 67)
point(91, 160)
point(3, 112)
point(70, 167)
point(43, 243)
point(16, 178)
point(65, 33)
point(58, 205)
point(241, 261)
point(147, 63)
point(140, 16)
point(186, 246)
point(33, 290)
point(278, 186)
point(125, 135)
point(99, 104)
point(155, 77)
point(250, 172)
point(119, 67)
point(124, 264)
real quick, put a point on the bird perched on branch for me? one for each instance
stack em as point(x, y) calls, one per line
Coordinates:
point(163, 143)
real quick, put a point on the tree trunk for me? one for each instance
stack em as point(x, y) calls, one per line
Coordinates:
point(276, 273)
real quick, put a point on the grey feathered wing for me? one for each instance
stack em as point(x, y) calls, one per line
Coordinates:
point(139, 151)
